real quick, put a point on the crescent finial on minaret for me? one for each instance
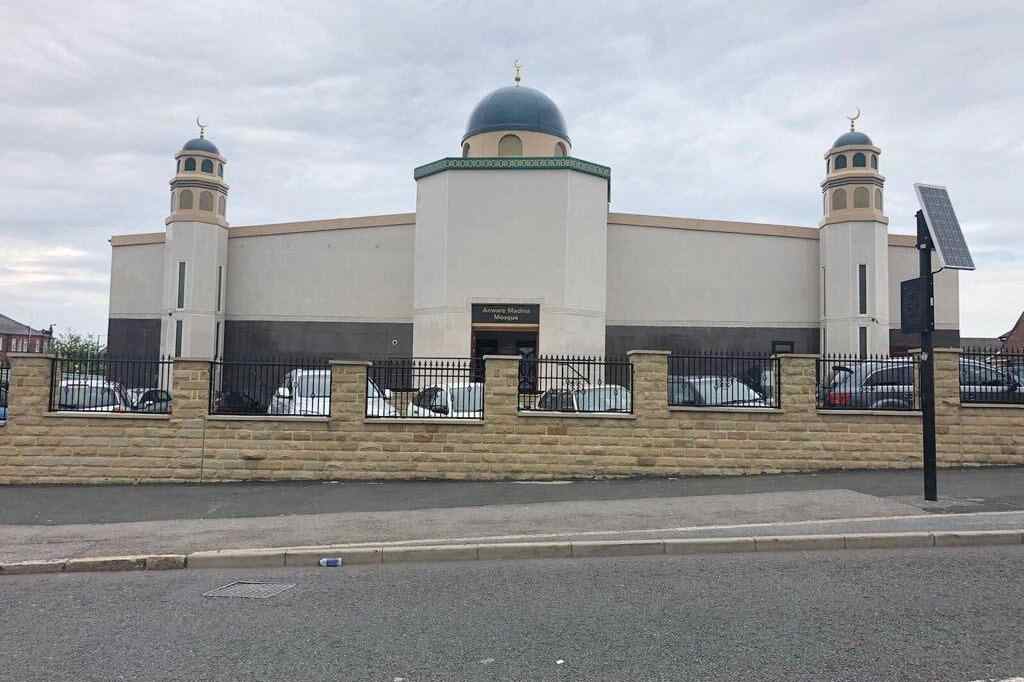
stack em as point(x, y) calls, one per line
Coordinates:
point(854, 118)
point(202, 128)
point(519, 71)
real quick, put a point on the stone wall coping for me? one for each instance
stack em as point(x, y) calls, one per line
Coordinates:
point(109, 415)
point(422, 420)
point(350, 363)
point(41, 356)
point(575, 415)
point(747, 410)
point(264, 418)
point(989, 406)
point(875, 413)
point(631, 353)
point(501, 357)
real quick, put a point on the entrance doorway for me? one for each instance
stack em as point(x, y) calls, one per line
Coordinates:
point(501, 342)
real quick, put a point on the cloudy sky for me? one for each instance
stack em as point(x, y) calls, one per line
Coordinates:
point(702, 109)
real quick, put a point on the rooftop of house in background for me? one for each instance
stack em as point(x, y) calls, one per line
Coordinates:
point(16, 337)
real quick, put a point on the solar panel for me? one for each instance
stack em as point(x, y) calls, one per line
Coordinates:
point(944, 228)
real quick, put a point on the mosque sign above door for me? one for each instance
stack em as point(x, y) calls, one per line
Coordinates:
point(506, 313)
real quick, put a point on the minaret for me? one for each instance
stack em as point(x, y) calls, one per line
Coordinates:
point(854, 248)
point(195, 253)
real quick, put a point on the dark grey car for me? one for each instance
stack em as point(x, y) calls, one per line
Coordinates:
point(870, 385)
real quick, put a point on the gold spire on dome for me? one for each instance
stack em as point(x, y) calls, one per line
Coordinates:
point(519, 72)
point(854, 118)
point(202, 128)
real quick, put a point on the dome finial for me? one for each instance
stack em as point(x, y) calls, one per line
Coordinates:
point(202, 128)
point(854, 118)
point(519, 71)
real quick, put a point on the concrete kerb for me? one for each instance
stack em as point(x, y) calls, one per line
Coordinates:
point(372, 554)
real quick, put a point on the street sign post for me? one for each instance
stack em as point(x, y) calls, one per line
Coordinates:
point(937, 230)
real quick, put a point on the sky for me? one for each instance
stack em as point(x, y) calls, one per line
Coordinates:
point(702, 109)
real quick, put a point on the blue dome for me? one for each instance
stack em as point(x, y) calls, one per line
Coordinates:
point(201, 144)
point(852, 137)
point(517, 108)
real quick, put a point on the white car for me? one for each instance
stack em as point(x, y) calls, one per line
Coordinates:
point(307, 392)
point(456, 401)
point(91, 395)
point(600, 398)
point(712, 391)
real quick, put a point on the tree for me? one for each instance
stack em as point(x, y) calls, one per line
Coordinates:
point(72, 344)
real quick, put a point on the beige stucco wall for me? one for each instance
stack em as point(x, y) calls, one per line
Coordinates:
point(356, 274)
point(37, 447)
point(679, 277)
point(136, 281)
point(523, 236)
point(534, 144)
point(843, 248)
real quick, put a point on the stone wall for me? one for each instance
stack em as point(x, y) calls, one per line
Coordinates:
point(41, 447)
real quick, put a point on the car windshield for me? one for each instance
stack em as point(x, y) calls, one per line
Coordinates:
point(81, 395)
point(467, 398)
point(603, 399)
point(723, 390)
point(316, 385)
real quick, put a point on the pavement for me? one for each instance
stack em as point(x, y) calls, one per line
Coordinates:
point(935, 615)
point(69, 522)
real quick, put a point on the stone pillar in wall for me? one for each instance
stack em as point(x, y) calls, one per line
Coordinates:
point(501, 387)
point(650, 383)
point(348, 391)
point(798, 383)
point(28, 399)
point(948, 449)
point(190, 403)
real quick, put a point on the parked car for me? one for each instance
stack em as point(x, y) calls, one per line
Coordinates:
point(870, 385)
point(981, 382)
point(92, 395)
point(235, 402)
point(153, 400)
point(600, 398)
point(378, 401)
point(889, 384)
point(461, 401)
point(307, 392)
point(304, 392)
point(712, 390)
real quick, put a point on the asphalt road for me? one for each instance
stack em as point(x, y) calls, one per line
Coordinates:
point(913, 615)
point(989, 489)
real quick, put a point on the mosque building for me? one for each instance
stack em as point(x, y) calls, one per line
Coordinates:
point(513, 250)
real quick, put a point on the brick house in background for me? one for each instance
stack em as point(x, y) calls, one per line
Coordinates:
point(1014, 339)
point(16, 337)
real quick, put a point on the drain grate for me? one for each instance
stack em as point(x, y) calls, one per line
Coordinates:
point(249, 589)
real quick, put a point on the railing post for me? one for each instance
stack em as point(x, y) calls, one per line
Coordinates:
point(798, 382)
point(650, 382)
point(28, 399)
point(947, 405)
point(348, 390)
point(190, 389)
point(501, 387)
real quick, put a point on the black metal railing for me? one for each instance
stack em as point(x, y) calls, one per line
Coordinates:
point(102, 384)
point(848, 382)
point(296, 388)
point(724, 379)
point(992, 377)
point(5, 386)
point(425, 388)
point(575, 384)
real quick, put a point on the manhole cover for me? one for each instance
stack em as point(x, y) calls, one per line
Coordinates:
point(249, 589)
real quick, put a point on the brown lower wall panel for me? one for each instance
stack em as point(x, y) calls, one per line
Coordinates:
point(36, 447)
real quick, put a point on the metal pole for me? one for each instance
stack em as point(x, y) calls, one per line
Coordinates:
point(924, 247)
